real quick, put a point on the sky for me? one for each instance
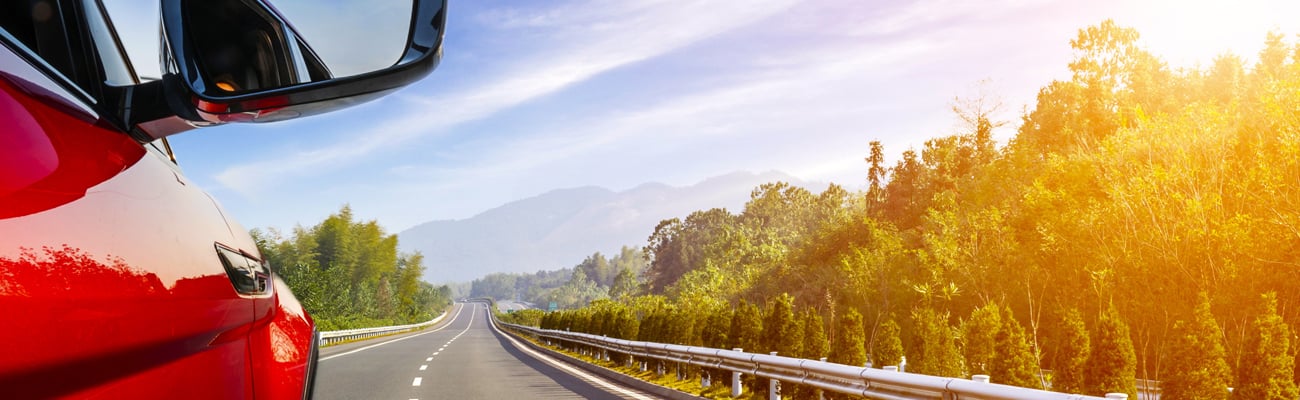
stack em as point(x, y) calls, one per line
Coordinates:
point(533, 96)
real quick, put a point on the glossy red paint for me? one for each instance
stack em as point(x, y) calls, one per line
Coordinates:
point(109, 279)
point(279, 343)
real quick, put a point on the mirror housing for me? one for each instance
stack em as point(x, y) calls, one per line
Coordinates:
point(241, 61)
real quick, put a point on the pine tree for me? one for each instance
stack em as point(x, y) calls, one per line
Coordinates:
point(746, 327)
point(1112, 365)
point(887, 348)
point(1197, 368)
point(849, 338)
point(979, 334)
point(815, 347)
point(815, 344)
point(715, 332)
point(1267, 366)
point(781, 332)
point(1014, 363)
point(933, 346)
point(1071, 354)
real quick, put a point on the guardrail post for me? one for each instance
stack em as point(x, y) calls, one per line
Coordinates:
point(706, 380)
point(735, 379)
point(821, 394)
point(902, 364)
point(773, 387)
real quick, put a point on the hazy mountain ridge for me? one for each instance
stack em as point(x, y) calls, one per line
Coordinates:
point(559, 228)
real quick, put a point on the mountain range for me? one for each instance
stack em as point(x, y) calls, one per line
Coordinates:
point(561, 227)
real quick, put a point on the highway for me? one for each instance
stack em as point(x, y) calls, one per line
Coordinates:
point(462, 358)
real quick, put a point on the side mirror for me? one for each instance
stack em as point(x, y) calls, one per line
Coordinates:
point(242, 61)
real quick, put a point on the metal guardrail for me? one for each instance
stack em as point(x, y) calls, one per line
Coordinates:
point(332, 337)
point(838, 378)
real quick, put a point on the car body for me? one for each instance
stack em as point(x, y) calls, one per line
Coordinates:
point(118, 276)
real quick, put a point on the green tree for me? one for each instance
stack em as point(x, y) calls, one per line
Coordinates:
point(876, 175)
point(1015, 363)
point(1267, 367)
point(934, 349)
point(849, 340)
point(625, 285)
point(746, 328)
point(1071, 354)
point(887, 347)
point(979, 336)
point(815, 344)
point(1112, 366)
point(1197, 368)
point(781, 331)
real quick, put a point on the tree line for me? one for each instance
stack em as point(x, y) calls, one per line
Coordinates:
point(349, 274)
point(596, 277)
point(1143, 222)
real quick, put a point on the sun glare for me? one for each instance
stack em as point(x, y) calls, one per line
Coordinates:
point(1187, 33)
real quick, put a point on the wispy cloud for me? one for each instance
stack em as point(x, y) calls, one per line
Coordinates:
point(613, 36)
point(778, 99)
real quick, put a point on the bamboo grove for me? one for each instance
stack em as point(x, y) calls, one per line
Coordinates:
point(1143, 222)
point(349, 274)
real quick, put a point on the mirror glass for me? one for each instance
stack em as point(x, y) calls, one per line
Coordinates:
point(350, 37)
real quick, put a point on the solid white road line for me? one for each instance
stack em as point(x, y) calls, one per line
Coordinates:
point(566, 368)
point(453, 319)
point(416, 382)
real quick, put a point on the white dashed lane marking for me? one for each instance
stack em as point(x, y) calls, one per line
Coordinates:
point(428, 359)
point(424, 367)
point(416, 382)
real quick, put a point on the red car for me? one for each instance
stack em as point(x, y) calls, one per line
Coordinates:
point(118, 277)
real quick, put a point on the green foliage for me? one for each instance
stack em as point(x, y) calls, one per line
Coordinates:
point(1267, 367)
point(782, 333)
point(1111, 363)
point(1015, 363)
point(934, 348)
point(746, 328)
point(601, 277)
point(715, 333)
point(349, 274)
point(1196, 367)
point(529, 317)
point(979, 336)
point(848, 344)
point(1070, 354)
point(815, 345)
point(887, 347)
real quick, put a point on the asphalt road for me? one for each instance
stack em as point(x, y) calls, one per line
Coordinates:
point(462, 358)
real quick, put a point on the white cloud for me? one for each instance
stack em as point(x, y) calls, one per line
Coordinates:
point(762, 103)
point(621, 37)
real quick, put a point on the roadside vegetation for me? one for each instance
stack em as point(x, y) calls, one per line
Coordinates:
point(349, 274)
point(1143, 222)
point(596, 277)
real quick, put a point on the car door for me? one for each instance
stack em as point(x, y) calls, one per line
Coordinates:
point(113, 266)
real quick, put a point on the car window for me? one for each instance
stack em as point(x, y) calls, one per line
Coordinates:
point(113, 60)
point(39, 26)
